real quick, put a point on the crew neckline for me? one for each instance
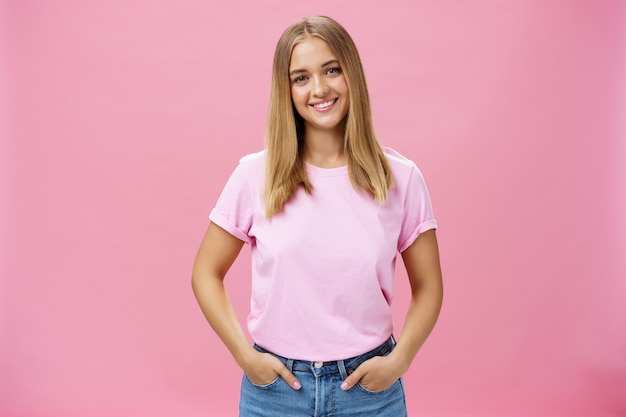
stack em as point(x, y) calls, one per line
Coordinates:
point(326, 172)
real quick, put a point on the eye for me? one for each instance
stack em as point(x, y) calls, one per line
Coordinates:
point(299, 79)
point(333, 71)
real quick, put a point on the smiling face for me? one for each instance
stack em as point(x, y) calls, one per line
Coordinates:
point(318, 87)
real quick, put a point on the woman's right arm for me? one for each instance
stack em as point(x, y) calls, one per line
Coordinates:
point(216, 254)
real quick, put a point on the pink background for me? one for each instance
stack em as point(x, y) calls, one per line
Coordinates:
point(122, 119)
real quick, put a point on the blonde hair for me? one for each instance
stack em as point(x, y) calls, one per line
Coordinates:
point(367, 165)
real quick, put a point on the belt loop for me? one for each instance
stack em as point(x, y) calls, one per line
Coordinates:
point(342, 369)
point(290, 365)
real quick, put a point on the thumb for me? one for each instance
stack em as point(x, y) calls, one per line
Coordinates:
point(289, 378)
point(353, 378)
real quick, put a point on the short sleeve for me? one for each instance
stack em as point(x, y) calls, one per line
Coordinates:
point(233, 211)
point(418, 214)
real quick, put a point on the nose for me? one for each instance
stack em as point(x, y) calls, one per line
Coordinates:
point(320, 87)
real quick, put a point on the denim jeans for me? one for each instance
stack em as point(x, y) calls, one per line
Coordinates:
point(321, 394)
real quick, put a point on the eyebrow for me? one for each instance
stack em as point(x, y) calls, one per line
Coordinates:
point(299, 71)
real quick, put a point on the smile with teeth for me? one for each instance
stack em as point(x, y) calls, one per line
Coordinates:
point(326, 104)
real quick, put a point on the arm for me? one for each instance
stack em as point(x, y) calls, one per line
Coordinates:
point(216, 254)
point(421, 260)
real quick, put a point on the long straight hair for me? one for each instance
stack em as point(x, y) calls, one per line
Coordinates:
point(367, 165)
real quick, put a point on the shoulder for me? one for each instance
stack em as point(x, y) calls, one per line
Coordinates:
point(247, 172)
point(253, 160)
point(401, 166)
point(407, 176)
point(251, 165)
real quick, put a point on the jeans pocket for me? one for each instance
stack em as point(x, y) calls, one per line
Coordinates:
point(262, 386)
point(368, 391)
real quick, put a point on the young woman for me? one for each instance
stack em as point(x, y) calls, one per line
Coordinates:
point(325, 209)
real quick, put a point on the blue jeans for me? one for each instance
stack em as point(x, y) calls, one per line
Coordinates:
point(321, 394)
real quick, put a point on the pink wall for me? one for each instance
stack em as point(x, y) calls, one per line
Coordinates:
point(125, 118)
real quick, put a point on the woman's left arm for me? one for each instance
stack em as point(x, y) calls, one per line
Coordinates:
point(421, 260)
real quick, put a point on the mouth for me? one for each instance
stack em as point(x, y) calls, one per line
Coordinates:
point(325, 105)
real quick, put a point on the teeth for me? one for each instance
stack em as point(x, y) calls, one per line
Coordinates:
point(324, 105)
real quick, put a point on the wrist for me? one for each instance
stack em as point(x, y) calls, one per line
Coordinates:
point(245, 356)
point(401, 362)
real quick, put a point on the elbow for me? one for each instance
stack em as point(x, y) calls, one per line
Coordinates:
point(194, 283)
point(431, 289)
point(204, 278)
point(196, 279)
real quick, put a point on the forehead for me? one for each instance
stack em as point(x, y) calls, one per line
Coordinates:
point(311, 52)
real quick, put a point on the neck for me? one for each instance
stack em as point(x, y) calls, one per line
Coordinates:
point(325, 149)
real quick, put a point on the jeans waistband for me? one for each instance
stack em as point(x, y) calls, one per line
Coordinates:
point(343, 366)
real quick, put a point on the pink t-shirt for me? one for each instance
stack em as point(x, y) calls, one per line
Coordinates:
point(322, 268)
